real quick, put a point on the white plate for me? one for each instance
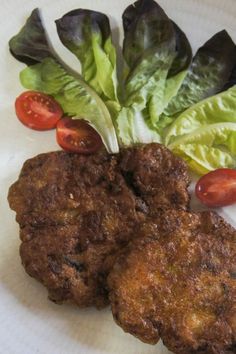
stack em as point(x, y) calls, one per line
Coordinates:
point(30, 323)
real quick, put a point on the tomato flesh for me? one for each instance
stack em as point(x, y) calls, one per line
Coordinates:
point(75, 135)
point(37, 110)
point(217, 188)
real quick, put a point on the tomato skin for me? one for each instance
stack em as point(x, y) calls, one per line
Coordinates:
point(217, 188)
point(76, 135)
point(38, 111)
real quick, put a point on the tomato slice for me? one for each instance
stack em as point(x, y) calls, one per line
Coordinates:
point(37, 110)
point(217, 188)
point(75, 135)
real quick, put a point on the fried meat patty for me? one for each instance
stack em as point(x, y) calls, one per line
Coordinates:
point(157, 176)
point(177, 281)
point(76, 212)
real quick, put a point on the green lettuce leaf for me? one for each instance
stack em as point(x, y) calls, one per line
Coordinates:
point(211, 69)
point(158, 55)
point(76, 98)
point(173, 82)
point(149, 49)
point(205, 134)
point(132, 127)
point(50, 76)
point(87, 34)
point(217, 109)
point(202, 158)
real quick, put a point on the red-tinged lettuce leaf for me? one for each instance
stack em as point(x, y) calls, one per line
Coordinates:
point(77, 26)
point(158, 55)
point(147, 30)
point(232, 80)
point(51, 76)
point(149, 49)
point(31, 45)
point(176, 75)
point(183, 56)
point(211, 69)
point(87, 34)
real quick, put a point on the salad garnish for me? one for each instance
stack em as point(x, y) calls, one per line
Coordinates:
point(76, 135)
point(163, 95)
point(217, 188)
point(37, 110)
point(51, 76)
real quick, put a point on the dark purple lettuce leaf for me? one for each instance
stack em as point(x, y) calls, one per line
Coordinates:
point(211, 70)
point(183, 57)
point(147, 30)
point(31, 45)
point(77, 26)
point(232, 79)
point(155, 50)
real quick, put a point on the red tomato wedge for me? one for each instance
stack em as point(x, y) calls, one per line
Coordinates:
point(217, 188)
point(75, 135)
point(37, 110)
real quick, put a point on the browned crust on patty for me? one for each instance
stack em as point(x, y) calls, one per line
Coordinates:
point(177, 281)
point(156, 175)
point(76, 212)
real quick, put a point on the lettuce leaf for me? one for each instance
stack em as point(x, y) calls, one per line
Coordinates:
point(202, 159)
point(76, 98)
point(87, 34)
point(132, 127)
point(211, 69)
point(31, 44)
point(174, 80)
point(149, 50)
point(217, 109)
point(157, 54)
point(179, 67)
point(146, 29)
point(205, 134)
point(51, 76)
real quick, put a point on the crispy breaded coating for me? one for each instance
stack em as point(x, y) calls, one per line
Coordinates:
point(156, 175)
point(76, 212)
point(177, 281)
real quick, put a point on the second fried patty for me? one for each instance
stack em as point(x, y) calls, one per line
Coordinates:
point(177, 281)
point(77, 212)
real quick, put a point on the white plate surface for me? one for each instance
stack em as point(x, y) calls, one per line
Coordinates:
point(30, 323)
